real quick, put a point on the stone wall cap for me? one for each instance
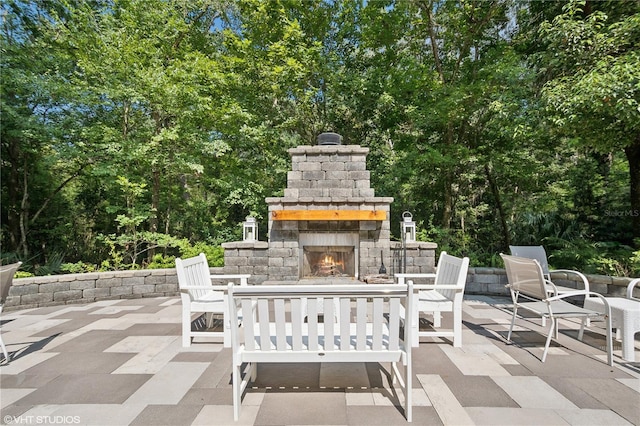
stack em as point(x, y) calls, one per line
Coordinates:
point(326, 200)
point(415, 245)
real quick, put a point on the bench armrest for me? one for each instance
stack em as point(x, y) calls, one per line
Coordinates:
point(436, 287)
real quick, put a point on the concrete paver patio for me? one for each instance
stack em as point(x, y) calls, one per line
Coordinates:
point(120, 362)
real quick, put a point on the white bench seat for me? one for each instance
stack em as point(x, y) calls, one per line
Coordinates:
point(363, 323)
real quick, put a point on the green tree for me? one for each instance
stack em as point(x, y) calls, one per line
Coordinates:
point(592, 57)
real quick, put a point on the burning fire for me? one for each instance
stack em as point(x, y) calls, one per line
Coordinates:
point(329, 266)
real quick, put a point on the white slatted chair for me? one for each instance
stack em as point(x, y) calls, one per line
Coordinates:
point(445, 295)
point(529, 290)
point(540, 254)
point(368, 329)
point(6, 278)
point(199, 296)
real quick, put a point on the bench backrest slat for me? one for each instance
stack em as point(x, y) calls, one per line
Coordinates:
point(394, 324)
point(361, 321)
point(296, 326)
point(345, 326)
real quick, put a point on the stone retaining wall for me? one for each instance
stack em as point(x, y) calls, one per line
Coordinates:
point(54, 290)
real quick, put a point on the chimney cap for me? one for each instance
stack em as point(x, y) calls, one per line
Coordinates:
point(329, 138)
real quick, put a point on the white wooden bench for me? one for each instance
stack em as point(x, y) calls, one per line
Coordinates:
point(367, 328)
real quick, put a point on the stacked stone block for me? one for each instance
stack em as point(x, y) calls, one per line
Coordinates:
point(327, 177)
point(84, 288)
point(55, 290)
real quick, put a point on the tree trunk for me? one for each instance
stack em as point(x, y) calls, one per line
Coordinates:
point(155, 204)
point(633, 157)
point(496, 195)
point(13, 186)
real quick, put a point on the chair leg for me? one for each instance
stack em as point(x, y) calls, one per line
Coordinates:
point(226, 333)
point(582, 325)
point(610, 340)
point(457, 327)
point(237, 391)
point(552, 327)
point(513, 321)
point(437, 319)
point(186, 328)
point(408, 396)
point(4, 350)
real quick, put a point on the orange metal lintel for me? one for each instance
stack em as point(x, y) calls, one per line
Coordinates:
point(329, 215)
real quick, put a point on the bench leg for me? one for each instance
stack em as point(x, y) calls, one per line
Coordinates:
point(237, 391)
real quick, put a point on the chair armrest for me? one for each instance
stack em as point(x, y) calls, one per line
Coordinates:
point(549, 283)
point(242, 277)
point(576, 293)
point(226, 276)
point(584, 279)
point(631, 286)
point(204, 287)
point(401, 277)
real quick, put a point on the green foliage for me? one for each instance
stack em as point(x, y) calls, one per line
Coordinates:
point(77, 268)
point(603, 258)
point(137, 133)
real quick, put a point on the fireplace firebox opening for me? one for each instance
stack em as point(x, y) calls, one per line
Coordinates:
point(328, 254)
point(329, 261)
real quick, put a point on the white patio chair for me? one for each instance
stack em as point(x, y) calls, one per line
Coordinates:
point(445, 295)
point(539, 253)
point(6, 278)
point(200, 296)
point(529, 290)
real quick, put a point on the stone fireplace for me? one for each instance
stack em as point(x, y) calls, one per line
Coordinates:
point(329, 225)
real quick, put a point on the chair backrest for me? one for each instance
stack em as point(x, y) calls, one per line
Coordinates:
point(194, 271)
point(525, 276)
point(6, 278)
point(451, 270)
point(533, 252)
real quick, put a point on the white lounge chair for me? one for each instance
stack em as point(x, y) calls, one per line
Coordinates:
point(445, 295)
point(199, 295)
